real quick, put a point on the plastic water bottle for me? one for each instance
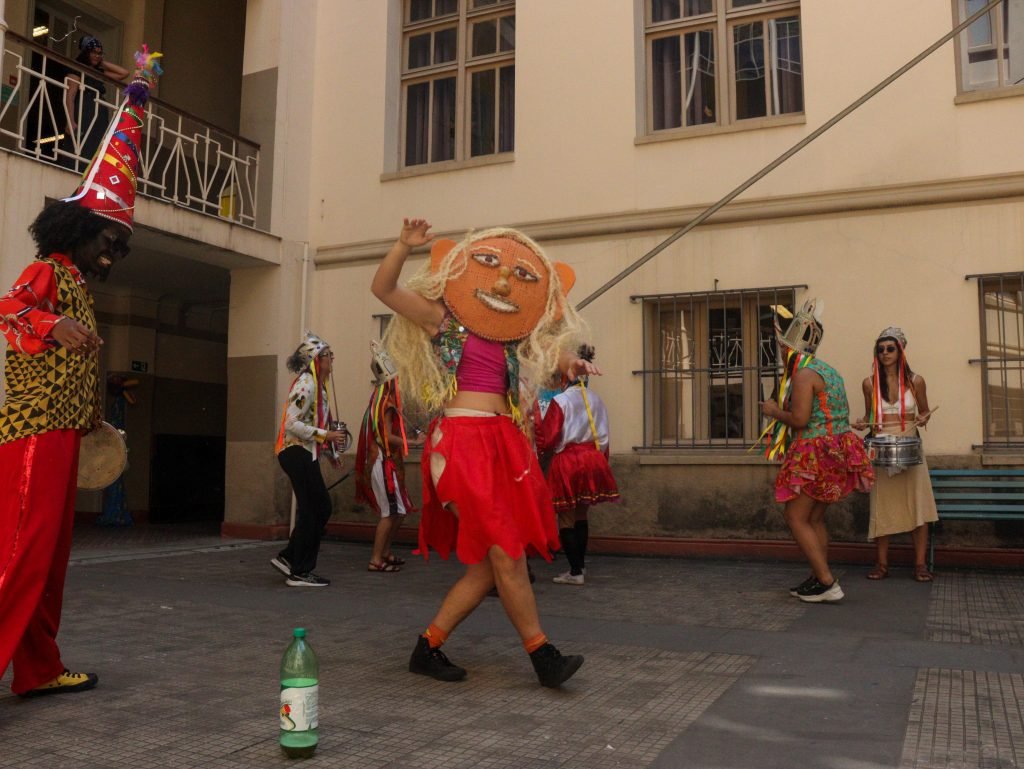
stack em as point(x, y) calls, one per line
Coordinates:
point(300, 674)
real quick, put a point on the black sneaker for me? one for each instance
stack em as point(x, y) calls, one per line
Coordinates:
point(309, 579)
point(282, 565)
point(793, 591)
point(819, 593)
point(433, 663)
point(552, 668)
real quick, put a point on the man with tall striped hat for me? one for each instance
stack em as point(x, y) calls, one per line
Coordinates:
point(52, 386)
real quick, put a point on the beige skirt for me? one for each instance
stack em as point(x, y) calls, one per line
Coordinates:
point(904, 501)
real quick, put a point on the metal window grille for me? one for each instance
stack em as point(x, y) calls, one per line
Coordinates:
point(1001, 305)
point(709, 357)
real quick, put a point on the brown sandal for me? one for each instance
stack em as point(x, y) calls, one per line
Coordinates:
point(394, 560)
point(921, 574)
point(881, 571)
point(386, 568)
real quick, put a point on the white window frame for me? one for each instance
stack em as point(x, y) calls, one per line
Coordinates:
point(721, 20)
point(462, 69)
point(1006, 21)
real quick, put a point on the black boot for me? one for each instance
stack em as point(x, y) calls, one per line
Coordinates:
point(434, 663)
point(552, 668)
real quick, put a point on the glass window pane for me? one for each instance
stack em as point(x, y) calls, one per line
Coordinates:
point(446, 45)
point(484, 3)
point(664, 10)
point(442, 129)
point(507, 109)
point(419, 10)
point(446, 7)
point(485, 38)
point(417, 109)
point(666, 86)
point(482, 115)
point(698, 7)
point(980, 32)
point(788, 80)
point(748, 44)
point(745, 3)
point(507, 34)
point(419, 51)
point(700, 77)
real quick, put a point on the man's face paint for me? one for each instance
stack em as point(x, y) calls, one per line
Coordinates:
point(98, 255)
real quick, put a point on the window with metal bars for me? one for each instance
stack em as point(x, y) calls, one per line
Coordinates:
point(1001, 304)
point(709, 357)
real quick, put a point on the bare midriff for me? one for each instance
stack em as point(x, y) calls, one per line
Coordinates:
point(467, 399)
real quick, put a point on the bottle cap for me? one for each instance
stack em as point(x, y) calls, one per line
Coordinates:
point(300, 632)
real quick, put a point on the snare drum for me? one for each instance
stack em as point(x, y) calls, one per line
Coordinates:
point(102, 457)
point(894, 450)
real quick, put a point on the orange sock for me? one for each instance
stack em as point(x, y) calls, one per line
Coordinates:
point(435, 636)
point(535, 643)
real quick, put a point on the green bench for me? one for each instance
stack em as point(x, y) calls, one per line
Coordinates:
point(976, 495)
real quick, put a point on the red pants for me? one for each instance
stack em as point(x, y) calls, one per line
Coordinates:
point(38, 478)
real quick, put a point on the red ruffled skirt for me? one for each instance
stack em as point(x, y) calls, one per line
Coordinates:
point(579, 474)
point(492, 477)
point(826, 468)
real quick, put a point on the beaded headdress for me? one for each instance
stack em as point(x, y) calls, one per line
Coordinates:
point(310, 347)
point(893, 332)
point(109, 184)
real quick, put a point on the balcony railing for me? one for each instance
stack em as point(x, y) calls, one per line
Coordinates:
point(185, 160)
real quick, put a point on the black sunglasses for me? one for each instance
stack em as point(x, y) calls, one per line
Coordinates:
point(885, 348)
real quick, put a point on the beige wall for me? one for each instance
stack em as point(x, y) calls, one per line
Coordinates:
point(575, 122)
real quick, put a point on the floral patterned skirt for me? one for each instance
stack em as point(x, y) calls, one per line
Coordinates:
point(826, 468)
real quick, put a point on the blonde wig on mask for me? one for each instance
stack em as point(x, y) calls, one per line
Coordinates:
point(424, 376)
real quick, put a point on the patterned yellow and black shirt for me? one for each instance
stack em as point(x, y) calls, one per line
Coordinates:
point(52, 389)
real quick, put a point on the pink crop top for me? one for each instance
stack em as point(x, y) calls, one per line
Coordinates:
point(482, 368)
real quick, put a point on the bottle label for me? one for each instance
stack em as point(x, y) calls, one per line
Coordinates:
point(300, 708)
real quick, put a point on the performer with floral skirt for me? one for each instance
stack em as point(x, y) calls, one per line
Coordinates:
point(53, 393)
point(482, 317)
point(823, 461)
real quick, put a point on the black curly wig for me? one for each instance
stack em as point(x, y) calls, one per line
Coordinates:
point(61, 227)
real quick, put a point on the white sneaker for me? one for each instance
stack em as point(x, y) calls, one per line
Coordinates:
point(819, 593)
point(568, 579)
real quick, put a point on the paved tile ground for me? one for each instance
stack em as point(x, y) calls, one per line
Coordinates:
point(689, 664)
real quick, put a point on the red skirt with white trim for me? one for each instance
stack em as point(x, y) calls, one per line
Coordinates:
point(492, 477)
point(580, 474)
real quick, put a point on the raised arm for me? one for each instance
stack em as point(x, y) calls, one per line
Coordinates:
point(427, 313)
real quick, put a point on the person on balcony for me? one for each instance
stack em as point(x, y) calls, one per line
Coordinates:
point(53, 396)
point(85, 112)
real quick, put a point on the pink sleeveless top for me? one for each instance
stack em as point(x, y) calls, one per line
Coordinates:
point(482, 368)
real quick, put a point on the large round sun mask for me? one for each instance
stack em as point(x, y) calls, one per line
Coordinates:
point(502, 291)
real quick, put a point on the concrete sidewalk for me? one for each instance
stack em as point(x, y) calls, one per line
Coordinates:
point(689, 664)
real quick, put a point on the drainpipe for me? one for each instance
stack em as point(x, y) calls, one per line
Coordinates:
point(302, 330)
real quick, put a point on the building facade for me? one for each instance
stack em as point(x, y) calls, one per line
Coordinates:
point(601, 135)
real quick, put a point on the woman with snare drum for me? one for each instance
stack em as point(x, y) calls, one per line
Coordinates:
point(896, 404)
